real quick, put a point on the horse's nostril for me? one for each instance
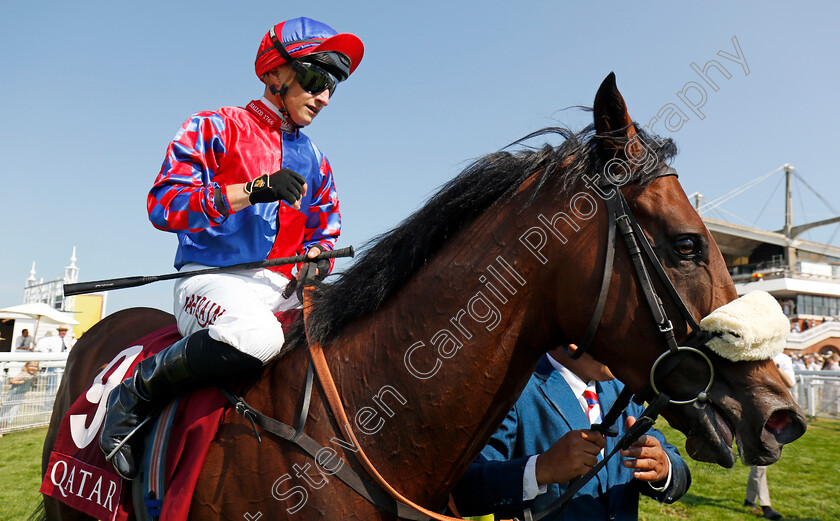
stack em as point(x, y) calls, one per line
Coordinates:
point(785, 426)
point(779, 420)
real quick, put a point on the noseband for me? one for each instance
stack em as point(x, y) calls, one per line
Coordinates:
point(621, 219)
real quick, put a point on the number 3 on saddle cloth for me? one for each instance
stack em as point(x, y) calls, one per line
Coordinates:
point(175, 448)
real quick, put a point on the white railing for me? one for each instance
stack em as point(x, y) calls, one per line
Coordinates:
point(813, 335)
point(818, 393)
point(26, 401)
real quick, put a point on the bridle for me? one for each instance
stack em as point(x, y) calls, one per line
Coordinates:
point(621, 220)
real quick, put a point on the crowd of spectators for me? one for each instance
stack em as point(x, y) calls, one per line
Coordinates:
point(816, 361)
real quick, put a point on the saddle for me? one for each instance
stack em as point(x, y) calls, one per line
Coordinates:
point(78, 475)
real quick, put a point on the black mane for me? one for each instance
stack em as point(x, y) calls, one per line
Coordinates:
point(391, 258)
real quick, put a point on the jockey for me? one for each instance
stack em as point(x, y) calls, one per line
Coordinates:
point(240, 185)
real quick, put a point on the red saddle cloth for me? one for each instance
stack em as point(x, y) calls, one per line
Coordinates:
point(77, 473)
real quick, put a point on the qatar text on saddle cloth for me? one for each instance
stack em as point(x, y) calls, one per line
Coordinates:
point(77, 473)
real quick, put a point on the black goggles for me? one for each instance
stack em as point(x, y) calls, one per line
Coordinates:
point(314, 79)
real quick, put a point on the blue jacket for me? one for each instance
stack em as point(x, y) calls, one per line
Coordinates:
point(546, 410)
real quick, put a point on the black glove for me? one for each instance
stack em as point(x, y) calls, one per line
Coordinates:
point(308, 274)
point(323, 266)
point(284, 184)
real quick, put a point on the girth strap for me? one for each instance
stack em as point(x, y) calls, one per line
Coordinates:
point(392, 501)
point(304, 406)
point(370, 492)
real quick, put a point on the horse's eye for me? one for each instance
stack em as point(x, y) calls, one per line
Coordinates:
point(687, 246)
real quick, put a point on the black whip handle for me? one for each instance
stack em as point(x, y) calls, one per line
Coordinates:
point(131, 282)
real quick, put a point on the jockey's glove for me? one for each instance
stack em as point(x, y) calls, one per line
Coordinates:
point(323, 266)
point(284, 184)
point(307, 273)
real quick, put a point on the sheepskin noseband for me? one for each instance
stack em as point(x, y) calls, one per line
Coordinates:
point(752, 327)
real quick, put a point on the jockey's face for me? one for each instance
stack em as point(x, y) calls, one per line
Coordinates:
point(301, 105)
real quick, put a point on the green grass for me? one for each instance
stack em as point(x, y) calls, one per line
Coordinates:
point(20, 473)
point(804, 484)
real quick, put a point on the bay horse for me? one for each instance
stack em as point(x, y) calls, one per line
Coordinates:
point(432, 334)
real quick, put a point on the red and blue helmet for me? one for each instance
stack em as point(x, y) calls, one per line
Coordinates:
point(303, 36)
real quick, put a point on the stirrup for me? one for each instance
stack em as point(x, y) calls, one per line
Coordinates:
point(134, 431)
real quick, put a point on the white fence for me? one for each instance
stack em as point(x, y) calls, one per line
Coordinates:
point(818, 393)
point(26, 401)
point(27, 392)
point(814, 335)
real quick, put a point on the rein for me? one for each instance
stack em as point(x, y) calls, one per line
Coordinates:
point(310, 446)
point(390, 500)
point(334, 400)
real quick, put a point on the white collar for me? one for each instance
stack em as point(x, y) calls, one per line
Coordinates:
point(286, 124)
point(575, 383)
point(270, 105)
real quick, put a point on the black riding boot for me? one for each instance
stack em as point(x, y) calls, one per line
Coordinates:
point(192, 362)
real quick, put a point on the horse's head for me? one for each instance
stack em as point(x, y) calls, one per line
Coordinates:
point(516, 247)
point(747, 400)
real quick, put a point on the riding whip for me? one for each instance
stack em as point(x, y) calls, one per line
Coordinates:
point(131, 282)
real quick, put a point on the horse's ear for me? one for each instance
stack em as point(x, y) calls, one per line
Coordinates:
point(611, 117)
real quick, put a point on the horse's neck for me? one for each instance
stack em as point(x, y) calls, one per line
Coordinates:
point(427, 378)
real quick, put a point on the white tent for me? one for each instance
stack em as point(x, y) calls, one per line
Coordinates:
point(39, 312)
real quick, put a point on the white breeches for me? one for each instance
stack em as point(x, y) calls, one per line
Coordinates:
point(237, 308)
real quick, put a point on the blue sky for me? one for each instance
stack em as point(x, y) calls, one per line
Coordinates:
point(93, 91)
